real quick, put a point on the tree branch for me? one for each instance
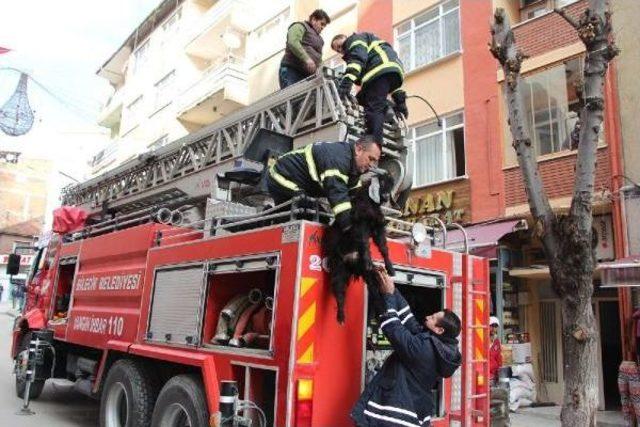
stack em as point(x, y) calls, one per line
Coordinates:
point(504, 49)
point(595, 31)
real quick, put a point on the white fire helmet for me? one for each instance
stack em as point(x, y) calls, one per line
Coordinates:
point(493, 320)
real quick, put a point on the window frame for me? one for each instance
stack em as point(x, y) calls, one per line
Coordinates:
point(560, 123)
point(443, 141)
point(163, 94)
point(141, 56)
point(411, 33)
point(135, 114)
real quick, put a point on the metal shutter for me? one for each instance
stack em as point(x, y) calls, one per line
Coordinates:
point(177, 305)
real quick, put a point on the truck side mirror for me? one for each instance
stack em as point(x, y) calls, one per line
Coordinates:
point(13, 264)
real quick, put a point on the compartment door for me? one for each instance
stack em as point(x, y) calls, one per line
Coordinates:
point(177, 304)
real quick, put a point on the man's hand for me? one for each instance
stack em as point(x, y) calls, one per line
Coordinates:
point(384, 281)
point(310, 66)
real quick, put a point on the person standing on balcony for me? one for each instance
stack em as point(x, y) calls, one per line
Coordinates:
point(303, 52)
point(373, 64)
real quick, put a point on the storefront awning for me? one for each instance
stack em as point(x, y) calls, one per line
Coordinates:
point(624, 272)
point(483, 238)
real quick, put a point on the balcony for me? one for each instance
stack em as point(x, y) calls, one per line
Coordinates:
point(104, 158)
point(111, 111)
point(222, 89)
point(205, 40)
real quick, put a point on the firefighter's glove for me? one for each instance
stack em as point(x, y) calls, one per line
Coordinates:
point(400, 104)
point(344, 89)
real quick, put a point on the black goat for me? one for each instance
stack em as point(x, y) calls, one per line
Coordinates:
point(349, 254)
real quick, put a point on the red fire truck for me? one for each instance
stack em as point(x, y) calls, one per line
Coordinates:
point(232, 322)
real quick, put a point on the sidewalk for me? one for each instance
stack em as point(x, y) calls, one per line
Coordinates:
point(5, 309)
point(550, 416)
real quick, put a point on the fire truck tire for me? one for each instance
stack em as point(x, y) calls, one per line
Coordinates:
point(181, 402)
point(21, 384)
point(128, 395)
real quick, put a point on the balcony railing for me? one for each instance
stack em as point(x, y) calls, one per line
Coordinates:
point(204, 40)
point(111, 111)
point(228, 74)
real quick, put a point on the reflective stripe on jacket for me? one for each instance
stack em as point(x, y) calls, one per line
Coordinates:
point(323, 169)
point(401, 392)
point(367, 56)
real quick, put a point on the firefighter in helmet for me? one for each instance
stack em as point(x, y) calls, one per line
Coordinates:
point(324, 169)
point(373, 64)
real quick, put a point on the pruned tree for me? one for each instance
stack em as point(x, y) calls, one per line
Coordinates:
point(567, 240)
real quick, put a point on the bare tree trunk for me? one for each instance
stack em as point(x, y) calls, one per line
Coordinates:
point(567, 241)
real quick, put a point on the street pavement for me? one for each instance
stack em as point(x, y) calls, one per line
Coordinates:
point(58, 405)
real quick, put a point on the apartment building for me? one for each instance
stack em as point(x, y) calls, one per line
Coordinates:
point(465, 169)
point(192, 62)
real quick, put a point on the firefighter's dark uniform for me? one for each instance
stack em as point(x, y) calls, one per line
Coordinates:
point(400, 394)
point(323, 169)
point(373, 64)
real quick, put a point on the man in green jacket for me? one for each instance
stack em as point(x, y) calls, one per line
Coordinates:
point(303, 52)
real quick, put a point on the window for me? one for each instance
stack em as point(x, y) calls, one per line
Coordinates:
point(269, 38)
point(141, 56)
point(533, 13)
point(429, 36)
point(551, 106)
point(165, 89)
point(134, 109)
point(160, 142)
point(437, 153)
point(562, 3)
point(171, 24)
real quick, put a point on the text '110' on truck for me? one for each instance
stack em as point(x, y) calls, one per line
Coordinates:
point(185, 299)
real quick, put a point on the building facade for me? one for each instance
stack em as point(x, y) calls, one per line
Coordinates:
point(466, 170)
point(192, 62)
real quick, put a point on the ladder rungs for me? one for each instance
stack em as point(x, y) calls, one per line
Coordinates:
point(478, 396)
point(478, 292)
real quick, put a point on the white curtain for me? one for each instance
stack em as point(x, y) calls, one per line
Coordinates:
point(451, 28)
point(427, 43)
point(428, 164)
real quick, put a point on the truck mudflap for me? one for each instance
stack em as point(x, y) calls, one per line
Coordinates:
point(32, 319)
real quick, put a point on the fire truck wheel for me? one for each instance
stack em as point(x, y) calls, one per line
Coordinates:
point(21, 365)
point(181, 403)
point(127, 397)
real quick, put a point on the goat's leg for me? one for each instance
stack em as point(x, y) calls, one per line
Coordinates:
point(380, 239)
point(339, 282)
point(375, 296)
point(361, 235)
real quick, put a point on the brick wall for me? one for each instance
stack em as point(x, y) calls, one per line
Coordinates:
point(558, 176)
point(548, 32)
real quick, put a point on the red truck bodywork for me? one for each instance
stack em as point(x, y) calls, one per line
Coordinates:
point(109, 280)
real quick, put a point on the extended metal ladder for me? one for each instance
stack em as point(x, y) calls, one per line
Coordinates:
point(185, 169)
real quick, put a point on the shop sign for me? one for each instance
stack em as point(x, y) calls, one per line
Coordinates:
point(438, 204)
point(24, 259)
point(604, 230)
